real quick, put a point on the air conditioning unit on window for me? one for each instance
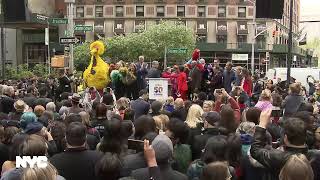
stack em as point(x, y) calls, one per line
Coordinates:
point(202, 26)
point(119, 26)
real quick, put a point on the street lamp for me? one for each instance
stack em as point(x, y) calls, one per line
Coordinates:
point(70, 29)
point(254, 24)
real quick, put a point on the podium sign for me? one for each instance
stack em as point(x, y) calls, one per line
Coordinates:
point(158, 88)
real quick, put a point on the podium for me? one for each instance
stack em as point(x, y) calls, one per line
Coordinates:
point(158, 88)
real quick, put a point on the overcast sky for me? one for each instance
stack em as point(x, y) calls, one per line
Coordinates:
point(310, 8)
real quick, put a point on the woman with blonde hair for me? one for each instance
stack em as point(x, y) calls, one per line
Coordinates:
point(208, 106)
point(162, 122)
point(265, 101)
point(194, 118)
point(37, 173)
point(297, 167)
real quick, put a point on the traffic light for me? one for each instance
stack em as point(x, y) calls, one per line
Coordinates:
point(272, 9)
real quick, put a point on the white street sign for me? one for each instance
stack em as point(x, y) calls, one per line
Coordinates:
point(69, 40)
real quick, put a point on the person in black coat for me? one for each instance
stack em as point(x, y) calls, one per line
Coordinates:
point(30, 98)
point(294, 143)
point(42, 100)
point(76, 162)
point(154, 72)
point(64, 84)
point(136, 161)
point(141, 106)
point(6, 101)
point(210, 129)
point(179, 111)
point(163, 148)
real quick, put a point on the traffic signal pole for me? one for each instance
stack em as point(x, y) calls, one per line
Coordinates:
point(289, 59)
point(254, 36)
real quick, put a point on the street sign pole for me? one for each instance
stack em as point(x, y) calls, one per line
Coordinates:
point(71, 30)
point(289, 60)
point(47, 37)
point(49, 57)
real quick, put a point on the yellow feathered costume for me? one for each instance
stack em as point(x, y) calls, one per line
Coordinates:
point(97, 73)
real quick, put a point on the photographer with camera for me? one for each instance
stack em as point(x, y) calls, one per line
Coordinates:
point(223, 98)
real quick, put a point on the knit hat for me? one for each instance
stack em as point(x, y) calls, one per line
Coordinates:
point(163, 148)
point(27, 118)
point(33, 127)
point(212, 117)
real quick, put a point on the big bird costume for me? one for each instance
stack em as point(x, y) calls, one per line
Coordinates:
point(97, 73)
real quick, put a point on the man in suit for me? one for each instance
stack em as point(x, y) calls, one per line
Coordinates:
point(141, 105)
point(142, 71)
point(154, 71)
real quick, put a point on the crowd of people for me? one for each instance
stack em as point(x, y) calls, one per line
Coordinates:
point(217, 124)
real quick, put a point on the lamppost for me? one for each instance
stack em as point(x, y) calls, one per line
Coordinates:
point(289, 59)
point(254, 24)
point(71, 30)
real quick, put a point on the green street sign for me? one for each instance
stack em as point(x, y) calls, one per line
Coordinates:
point(83, 28)
point(58, 21)
point(177, 51)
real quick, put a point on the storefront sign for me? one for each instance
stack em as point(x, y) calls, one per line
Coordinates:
point(240, 57)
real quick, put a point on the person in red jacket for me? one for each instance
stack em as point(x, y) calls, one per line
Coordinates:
point(182, 83)
point(167, 73)
point(246, 83)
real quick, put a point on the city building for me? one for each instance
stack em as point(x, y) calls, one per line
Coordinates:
point(223, 27)
point(24, 40)
point(309, 21)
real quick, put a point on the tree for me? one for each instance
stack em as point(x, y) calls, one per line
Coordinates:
point(315, 45)
point(19, 72)
point(81, 56)
point(151, 43)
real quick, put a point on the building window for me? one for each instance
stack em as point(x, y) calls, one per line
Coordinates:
point(202, 26)
point(180, 11)
point(242, 39)
point(221, 11)
point(140, 11)
point(201, 11)
point(139, 25)
point(99, 11)
point(242, 11)
point(222, 39)
point(119, 11)
point(202, 38)
point(80, 12)
point(160, 11)
point(261, 42)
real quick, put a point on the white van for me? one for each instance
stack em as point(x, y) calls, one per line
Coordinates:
point(300, 74)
